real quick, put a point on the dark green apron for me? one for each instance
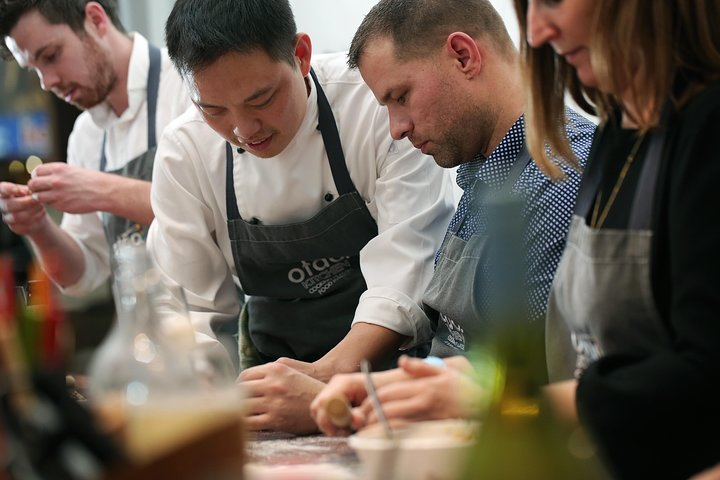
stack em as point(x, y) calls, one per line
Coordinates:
point(303, 279)
point(140, 167)
point(452, 298)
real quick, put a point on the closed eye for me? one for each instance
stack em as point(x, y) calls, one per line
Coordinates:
point(50, 57)
point(264, 104)
point(211, 111)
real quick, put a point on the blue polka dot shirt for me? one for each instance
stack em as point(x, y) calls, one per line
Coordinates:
point(547, 208)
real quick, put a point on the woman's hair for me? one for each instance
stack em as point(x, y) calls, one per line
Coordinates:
point(656, 43)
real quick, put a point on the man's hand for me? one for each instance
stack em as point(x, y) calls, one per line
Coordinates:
point(377, 344)
point(352, 387)
point(307, 368)
point(348, 385)
point(59, 254)
point(68, 188)
point(279, 398)
point(72, 189)
point(20, 211)
point(428, 393)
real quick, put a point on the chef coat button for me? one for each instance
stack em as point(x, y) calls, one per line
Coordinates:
point(329, 197)
point(254, 221)
point(240, 151)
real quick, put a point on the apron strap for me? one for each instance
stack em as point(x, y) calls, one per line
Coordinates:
point(233, 213)
point(333, 147)
point(644, 199)
point(153, 86)
point(521, 161)
point(331, 139)
point(591, 178)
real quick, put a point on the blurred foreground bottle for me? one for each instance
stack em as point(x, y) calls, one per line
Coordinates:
point(521, 437)
point(48, 435)
point(152, 383)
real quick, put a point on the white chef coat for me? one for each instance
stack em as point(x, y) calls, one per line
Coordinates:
point(409, 196)
point(126, 139)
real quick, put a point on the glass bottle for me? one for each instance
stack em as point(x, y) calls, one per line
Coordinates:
point(150, 379)
point(47, 434)
point(520, 435)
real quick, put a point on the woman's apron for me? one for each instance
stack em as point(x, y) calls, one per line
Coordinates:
point(454, 298)
point(303, 279)
point(601, 301)
point(141, 166)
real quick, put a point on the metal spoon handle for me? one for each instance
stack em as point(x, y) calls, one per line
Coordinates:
point(374, 400)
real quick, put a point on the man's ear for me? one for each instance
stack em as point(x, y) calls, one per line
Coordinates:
point(96, 18)
point(464, 50)
point(303, 52)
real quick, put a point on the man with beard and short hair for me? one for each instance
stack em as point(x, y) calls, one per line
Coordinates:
point(129, 91)
point(449, 75)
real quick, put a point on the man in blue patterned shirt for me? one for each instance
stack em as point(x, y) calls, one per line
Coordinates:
point(449, 74)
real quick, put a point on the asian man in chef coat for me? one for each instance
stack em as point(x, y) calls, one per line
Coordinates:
point(285, 181)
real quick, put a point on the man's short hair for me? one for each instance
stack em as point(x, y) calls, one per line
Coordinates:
point(417, 27)
point(56, 12)
point(198, 32)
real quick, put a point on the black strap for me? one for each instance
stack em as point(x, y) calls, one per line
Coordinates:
point(333, 147)
point(233, 213)
point(331, 139)
point(644, 199)
point(153, 86)
point(592, 175)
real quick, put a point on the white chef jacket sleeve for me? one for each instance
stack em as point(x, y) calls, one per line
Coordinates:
point(86, 229)
point(182, 239)
point(413, 202)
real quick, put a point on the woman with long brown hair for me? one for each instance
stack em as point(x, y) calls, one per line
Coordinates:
point(633, 326)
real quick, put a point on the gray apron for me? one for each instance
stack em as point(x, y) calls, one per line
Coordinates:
point(140, 167)
point(601, 301)
point(452, 299)
point(303, 279)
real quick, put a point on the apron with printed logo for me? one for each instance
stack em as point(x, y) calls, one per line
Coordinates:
point(452, 299)
point(303, 279)
point(601, 301)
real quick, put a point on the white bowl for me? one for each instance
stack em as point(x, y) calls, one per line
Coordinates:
point(432, 450)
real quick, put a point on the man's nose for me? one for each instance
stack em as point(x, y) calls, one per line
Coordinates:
point(245, 128)
point(48, 79)
point(400, 126)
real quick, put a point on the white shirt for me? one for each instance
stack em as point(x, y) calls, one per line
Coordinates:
point(126, 139)
point(408, 195)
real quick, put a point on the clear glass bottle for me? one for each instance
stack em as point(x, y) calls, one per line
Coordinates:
point(150, 378)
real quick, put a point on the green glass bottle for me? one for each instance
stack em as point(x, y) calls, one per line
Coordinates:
point(520, 435)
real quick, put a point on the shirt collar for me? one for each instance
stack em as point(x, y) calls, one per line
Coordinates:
point(494, 169)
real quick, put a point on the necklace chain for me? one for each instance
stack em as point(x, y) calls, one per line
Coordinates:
point(597, 222)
